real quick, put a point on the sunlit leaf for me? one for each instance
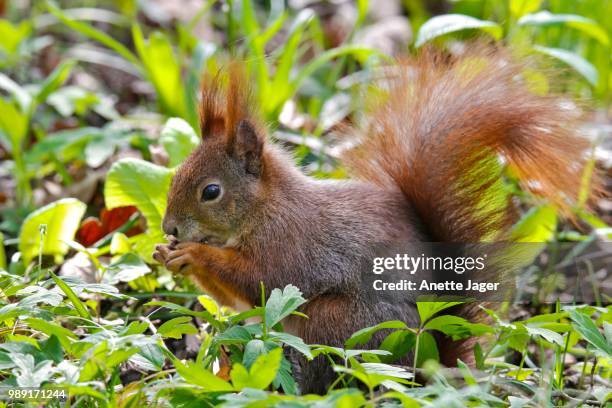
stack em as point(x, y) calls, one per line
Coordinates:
point(449, 23)
point(586, 25)
point(61, 218)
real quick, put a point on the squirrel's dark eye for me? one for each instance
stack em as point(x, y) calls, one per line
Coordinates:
point(211, 192)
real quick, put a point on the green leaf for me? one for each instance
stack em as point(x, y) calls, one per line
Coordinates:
point(479, 356)
point(234, 335)
point(13, 34)
point(59, 75)
point(179, 140)
point(125, 269)
point(19, 93)
point(456, 327)
point(144, 185)
point(74, 299)
point(546, 334)
point(252, 350)
point(584, 325)
point(292, 341)
point(261, 374)
point(398, 343)
point(586, 25)
point(94, 34)
point(62, 219)
point(2, 253)
point(428, 349)
point(264, 369)
point(537, 225)
point(581, 65)
point(196, 374)
point(364, 335)
point(449, 23)
point(51, 329)
point(13, 126)
point(519, 8)
point(281, 304)
point(428, 309)
point(177, 327)
point(162, 70)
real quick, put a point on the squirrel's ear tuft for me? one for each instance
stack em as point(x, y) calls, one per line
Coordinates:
point(248, 146)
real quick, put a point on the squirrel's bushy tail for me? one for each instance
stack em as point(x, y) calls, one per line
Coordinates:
point(446, 132)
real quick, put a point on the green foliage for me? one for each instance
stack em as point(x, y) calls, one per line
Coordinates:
point(119, 331)
point(59, 221)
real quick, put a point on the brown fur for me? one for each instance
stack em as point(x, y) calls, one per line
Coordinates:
point(419, 178)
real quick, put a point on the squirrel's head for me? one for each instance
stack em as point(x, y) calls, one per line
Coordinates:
point(215, 191)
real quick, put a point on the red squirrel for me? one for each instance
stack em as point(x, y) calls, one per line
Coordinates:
point(243, 213)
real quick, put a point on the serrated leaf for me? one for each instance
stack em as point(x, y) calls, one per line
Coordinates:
point(281, 303)
point(584, 325)
point(292, 341)
point(261, 374)
point(364, 335)
point(428, 309)
point(449, 23)
point(177, 327)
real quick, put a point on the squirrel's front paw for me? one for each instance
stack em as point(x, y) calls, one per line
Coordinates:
point(180, 258)
point(161, 253)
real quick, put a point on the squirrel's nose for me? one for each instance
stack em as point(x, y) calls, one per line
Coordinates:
point(170, 227)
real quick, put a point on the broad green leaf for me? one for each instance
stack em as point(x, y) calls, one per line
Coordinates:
point(144, 185)
point(261, 374)
point(428, 309)
point(179, 140)
point(62, 219)
point(196, 374)
point(209, 304)
point(281, 304)
point(428, 349)
point(519, 8)
point(234, 335)
point(584, 325)
point(449, 23)
point(177, 327)
point(252, 350)
point(364, 335)
point(398, 343)
point(537, 225)
point(125, 269)
point(586, 25)
point(13, 34)
point(581, 65)
point(292, 341)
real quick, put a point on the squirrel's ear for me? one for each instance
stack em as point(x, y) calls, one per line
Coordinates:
point(248, 146)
